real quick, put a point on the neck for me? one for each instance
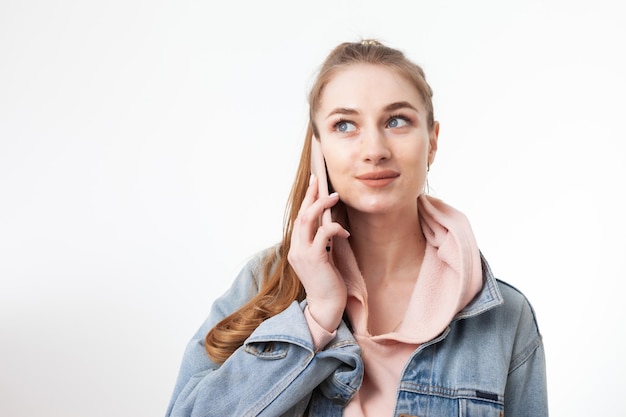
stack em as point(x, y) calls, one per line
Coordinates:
point(387, 247)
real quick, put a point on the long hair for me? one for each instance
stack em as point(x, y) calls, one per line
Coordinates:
point(280, 284)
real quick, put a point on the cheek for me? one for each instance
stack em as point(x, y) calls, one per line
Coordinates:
point(339, 176)
point(334, 173)
point(419, 155)
point(415, 165)
point(336, 162)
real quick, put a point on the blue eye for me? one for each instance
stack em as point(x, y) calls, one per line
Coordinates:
point(343, 126)
point(396, 122)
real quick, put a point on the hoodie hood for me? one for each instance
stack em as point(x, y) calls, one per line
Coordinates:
point(449, 278)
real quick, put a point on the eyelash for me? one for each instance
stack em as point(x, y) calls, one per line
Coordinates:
point(340, 121)
point(408, 120)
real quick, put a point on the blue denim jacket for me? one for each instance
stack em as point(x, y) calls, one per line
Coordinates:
point(488, 362)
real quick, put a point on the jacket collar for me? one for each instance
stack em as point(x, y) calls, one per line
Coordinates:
point(487, 298)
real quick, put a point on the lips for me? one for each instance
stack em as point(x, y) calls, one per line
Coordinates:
point(378, 178)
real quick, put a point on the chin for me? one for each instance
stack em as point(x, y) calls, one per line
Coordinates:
point(374, 206)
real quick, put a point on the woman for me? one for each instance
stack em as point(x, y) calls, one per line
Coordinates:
point(389, 308)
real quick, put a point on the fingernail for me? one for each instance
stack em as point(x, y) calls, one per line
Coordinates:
point(333, 195)
point(311, 179)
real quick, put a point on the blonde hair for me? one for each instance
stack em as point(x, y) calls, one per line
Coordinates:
point(280, 284)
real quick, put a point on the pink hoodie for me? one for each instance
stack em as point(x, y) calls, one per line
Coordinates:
point(450, 277)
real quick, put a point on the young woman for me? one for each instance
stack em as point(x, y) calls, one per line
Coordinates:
point(388, 308)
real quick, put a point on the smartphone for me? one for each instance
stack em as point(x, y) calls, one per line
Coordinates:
point(318, 168)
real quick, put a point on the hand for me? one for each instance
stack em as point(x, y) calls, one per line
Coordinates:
point(312, 262)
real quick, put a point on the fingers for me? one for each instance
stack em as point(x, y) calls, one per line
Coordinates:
point(312, 209)
point(311, 192)
point(325, 233)
point(308, 230)
point(317, 242)
point(309, 257)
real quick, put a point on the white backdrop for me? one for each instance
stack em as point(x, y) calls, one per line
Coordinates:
point(147, 149)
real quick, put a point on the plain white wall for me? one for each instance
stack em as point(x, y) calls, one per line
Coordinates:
point(147, 149)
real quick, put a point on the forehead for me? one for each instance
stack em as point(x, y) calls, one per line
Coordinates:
point(368, 86)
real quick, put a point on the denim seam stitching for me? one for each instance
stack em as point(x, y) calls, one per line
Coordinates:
point(452, 393)
point(525, 354)
point(279, 387)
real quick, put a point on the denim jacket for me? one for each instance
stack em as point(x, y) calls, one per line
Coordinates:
point(488, 362)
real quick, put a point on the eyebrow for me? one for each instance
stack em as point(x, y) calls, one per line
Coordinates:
point(388, 108)
point(400, 105)
point(342, 110)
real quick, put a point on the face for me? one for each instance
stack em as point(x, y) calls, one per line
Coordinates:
point(374, 135)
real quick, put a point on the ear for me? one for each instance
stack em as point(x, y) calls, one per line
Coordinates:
point(432, 143)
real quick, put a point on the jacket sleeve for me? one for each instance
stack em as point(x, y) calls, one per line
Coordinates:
point(273, 373)
point(526, 388)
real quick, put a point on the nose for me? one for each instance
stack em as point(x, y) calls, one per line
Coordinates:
point(374, 147)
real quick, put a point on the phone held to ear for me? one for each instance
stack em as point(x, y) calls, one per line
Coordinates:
point(318, 168)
